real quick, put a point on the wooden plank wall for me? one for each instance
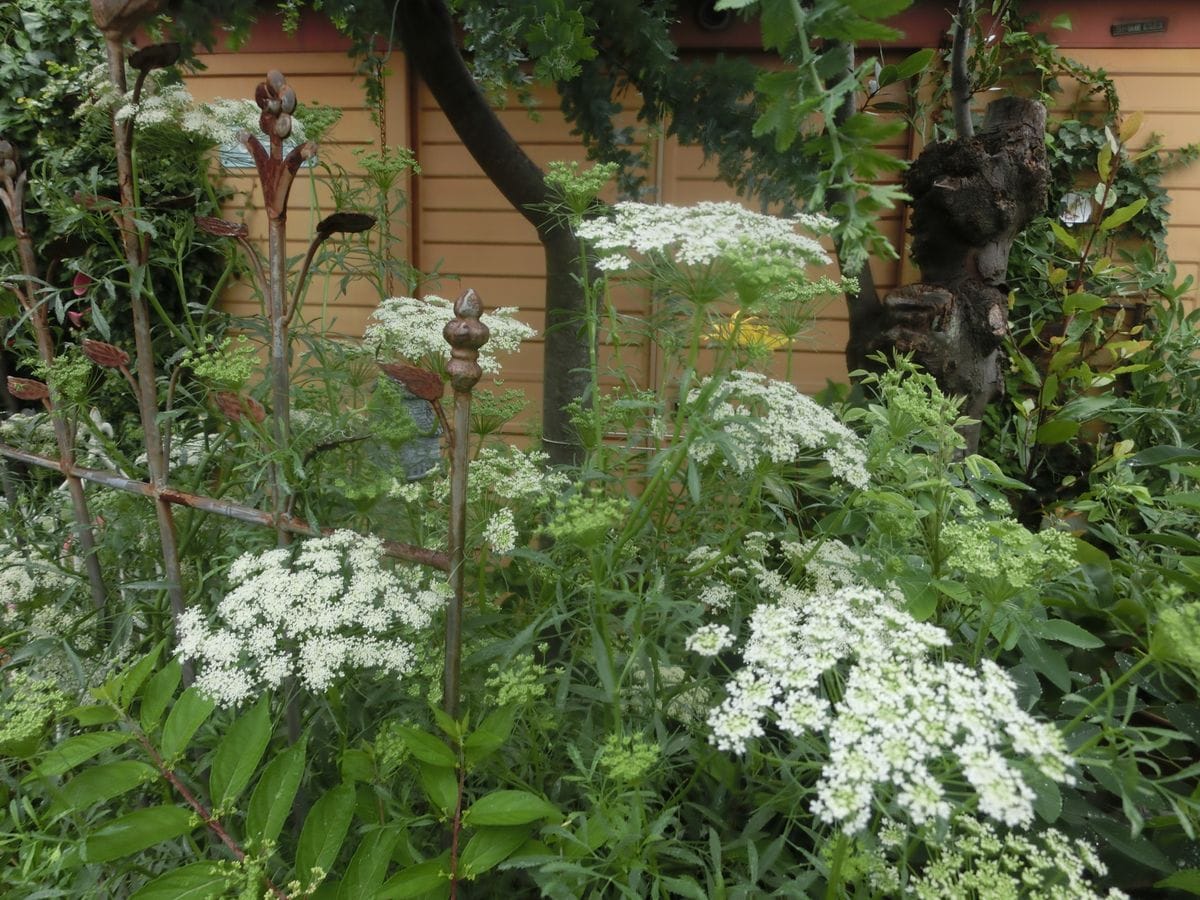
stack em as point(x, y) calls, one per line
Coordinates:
point(463, 229)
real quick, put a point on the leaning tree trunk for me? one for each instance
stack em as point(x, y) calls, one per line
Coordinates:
point(970, 199)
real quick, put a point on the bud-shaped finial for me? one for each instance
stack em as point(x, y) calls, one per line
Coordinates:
point(465, 334)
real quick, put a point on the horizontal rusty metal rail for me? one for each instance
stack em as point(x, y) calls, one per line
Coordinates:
point(228, 508)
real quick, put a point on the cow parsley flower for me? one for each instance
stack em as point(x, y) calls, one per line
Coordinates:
point(754, 417)
point(500, 533)
point(330, 609)
point(704, 235)
point(901, 720)
point(709, 640)
point(411, 328)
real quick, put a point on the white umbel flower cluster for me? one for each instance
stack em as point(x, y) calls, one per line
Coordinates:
point(330, 609)
point(753, 417)
point(701, 235)
point(411, 328)
point(900, 723)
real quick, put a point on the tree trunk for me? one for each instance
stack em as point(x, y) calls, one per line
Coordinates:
point(971, 197)
point(427, 32)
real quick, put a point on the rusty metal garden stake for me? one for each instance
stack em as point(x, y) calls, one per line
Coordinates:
point(117, 21)
point(277, 101)
point(12, 194)
point(465, 334)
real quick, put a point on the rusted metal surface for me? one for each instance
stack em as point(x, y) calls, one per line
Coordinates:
point(123, 18)
point(12, 195)
point(465, 334)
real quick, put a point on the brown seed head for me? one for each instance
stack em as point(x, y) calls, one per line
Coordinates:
point(107, 355)
point(27, 388)
point(420, 382)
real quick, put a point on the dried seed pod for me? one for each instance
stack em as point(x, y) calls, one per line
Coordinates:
point(27, 388)
point(287, 100)
point(283, 126)
point(107, 355)
point(237, 407)
point(275, 81)
point(420, 382)
point(221, 227)
point(155, 56)
point(345, 223)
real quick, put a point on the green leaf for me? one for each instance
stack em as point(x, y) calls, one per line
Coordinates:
point(418, 880)
point(324, 832)
point(1164, 455)
point(427, 748)
point(357, 765)
point(1047, 799)
point(1082, 302)
point(1067, 633)
point(188, 714)
point(272, 798)
point(133, 678)
point(1046, 662)
point(88, 716)
point(733, 4)
point(1186, 718)
point(914, 63)
point(158, 694)
point(136, 831)
point(491, 734)
point(1119, 217)
point(239, 754)
point(1064, 237)
point(1063, 21)
point(74, 750)
point(509, 808)
point(195, 881)
point(441, 787)
point(100, 783)
point(1057, 431)
point(488, 847)
point(365, 874)
point(1183, 880)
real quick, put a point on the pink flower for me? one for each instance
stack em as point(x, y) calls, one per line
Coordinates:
point(80, 283)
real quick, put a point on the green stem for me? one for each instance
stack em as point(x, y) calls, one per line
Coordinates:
point(840, 851)
point(1104, 695)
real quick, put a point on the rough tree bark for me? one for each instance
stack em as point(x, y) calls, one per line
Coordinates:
point(971, 197)
point(427, 33)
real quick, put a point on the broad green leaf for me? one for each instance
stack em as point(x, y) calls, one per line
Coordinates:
point(159, 691)
point(136, 675)
point(1057, 431)
point(1064, 237)
point(1164, 455)
point(136, 831)
point(195, 881)
point(1119, 217)
point(1063, 21)
point(1183, 880)
point(1104, 161)
point(1047, 799)
point(324, 832)
point(89, 716)
point(914, 63)
point(77, 749)
point(272, 798)
point(356, 765)
point(368, 867)
point(1082, 302)
point(188, 714)
point(491, 734)
point(1067, 633)
point(441, 787)
point(509, 808)
point(427, 748)
point(239, 753)
point(953, 589)
point(1186, 718)
point(1130, 126)
point(488, 847)
point(418, 880)
point(102, 782)
point(1046, 662)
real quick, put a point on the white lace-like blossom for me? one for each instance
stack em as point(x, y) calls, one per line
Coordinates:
point(901, 721)
point(709, 640)
point(500, 533)
point(701, 235)
point(755, 417)
point(411, 328)
point(332, 609)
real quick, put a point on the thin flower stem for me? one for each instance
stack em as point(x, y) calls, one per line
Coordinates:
point(1112, 688)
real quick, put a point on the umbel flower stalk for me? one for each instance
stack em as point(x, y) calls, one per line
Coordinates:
point(117, 19)
point(12, 194)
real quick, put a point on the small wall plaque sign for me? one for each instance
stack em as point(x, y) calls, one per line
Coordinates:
point(1128, 27)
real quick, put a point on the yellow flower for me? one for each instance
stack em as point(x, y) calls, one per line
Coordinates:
point(747, 331)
